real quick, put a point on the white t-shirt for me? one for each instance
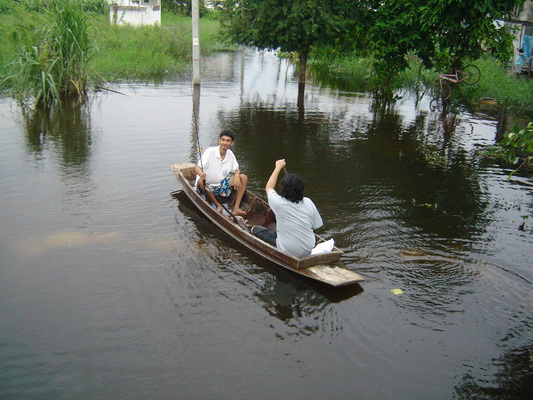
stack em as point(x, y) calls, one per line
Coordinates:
point(216, 168)
point(295, 223)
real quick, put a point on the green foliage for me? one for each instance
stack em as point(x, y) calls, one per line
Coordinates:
point(52, 66)
point(5, 6)
point(40, 6)
point(16, 29)
point(95, 6)
point(519, 144)
point(443, 34)
point(343, 71)
point(150, 52)
point(416, 77)
point(125, 52)
point(183, 7)
point(516, 148)
point(142, 52)
point(291, 26)
point(503, 87)
point(349, 71)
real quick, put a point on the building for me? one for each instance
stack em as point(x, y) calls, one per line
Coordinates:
point(522, 21)
point(135, 12)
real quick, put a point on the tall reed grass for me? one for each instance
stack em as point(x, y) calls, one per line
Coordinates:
point(53, 63)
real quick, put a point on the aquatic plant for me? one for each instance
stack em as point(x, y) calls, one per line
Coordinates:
point(53, 65)
point(515, 149)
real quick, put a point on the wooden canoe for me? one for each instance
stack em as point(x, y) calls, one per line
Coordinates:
point(324, 267)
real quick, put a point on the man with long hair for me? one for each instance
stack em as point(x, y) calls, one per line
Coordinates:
point(296, 215)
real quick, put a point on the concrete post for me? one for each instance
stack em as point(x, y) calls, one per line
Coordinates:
point(195, 43)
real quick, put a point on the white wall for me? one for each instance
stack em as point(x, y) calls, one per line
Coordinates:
point(135, 13)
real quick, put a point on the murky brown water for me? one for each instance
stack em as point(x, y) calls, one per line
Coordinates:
point(112, 288)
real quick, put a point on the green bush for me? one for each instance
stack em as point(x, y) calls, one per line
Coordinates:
point(516, 148)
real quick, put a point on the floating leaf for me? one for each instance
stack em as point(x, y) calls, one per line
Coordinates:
point(397, 291)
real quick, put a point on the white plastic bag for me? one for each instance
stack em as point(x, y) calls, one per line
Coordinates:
point(324, 247)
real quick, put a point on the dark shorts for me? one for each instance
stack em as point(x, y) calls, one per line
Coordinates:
point(265, 234)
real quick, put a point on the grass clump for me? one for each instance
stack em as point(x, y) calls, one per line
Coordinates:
point(151, 52)
point(52, 65)
point(496, 83)
point(344, 71)
point(146, 52)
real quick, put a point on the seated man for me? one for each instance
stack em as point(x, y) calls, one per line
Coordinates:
point(296, 215)
point(219, 172)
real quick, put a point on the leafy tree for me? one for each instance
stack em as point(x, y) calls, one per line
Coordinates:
point(291, 26)
point(183, 7)
point(443, 33)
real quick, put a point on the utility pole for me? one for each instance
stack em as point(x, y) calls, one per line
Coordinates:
point(195, 43)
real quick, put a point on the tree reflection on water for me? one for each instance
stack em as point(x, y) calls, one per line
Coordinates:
point(514, 380)
point(66, 129)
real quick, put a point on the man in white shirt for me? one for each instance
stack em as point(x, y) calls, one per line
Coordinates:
point(296, 215)
point(219, 172)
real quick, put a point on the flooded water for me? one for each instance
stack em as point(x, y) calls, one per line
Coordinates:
point(112, 288)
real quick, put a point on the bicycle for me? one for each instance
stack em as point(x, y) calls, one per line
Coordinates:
point(469, 75)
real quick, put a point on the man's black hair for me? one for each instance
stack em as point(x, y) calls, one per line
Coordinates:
point(228, 133)
point(292, 188)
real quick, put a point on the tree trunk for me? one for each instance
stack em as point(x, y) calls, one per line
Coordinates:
point(303, 66)
point(301, 80)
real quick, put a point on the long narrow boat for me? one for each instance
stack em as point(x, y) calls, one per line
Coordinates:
point(323, 267)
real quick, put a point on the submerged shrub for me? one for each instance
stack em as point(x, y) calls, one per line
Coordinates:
point(515, 149)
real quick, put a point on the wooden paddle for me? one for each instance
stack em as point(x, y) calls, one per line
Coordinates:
point(235, 219)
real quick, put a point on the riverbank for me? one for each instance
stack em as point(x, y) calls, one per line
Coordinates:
point(505, 91)
point(162, 52)
point(123, 52)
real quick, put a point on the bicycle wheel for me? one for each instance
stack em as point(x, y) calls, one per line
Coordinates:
point(473, 74)
point(434, 105)
point(441, 90)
